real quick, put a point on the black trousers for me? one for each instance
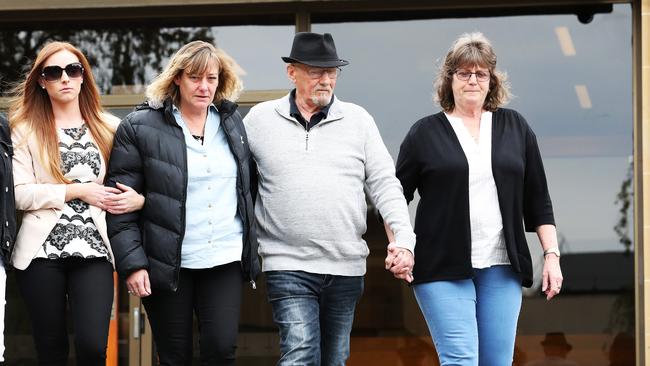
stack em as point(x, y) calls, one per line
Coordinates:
point(87, 286)
point(214, 295)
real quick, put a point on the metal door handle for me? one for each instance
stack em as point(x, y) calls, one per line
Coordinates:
point(137, 329)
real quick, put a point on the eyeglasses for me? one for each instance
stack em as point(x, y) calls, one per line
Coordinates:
point(54, 73)
point(464, 75)
point(317, 73)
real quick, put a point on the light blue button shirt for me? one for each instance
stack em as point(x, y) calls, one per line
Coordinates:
point(213, 228)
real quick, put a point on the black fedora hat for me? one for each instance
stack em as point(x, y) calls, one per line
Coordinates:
point(314, 49)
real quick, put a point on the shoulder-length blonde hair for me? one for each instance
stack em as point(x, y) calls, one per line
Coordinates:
point(471, 49)
point(31, 108)
point(196, 58)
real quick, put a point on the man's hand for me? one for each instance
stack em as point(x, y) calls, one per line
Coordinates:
point(399, 262)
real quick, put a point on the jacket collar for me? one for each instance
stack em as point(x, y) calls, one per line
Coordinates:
point(283, 108)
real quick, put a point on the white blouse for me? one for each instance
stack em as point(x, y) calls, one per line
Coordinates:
point(486, 224)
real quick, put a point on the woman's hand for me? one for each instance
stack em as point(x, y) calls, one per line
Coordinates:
point(91, 193)
point(551, 276)
point(138, 283)
point(399, 262)
point(127, 200)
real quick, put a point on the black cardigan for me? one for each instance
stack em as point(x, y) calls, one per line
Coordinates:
point(432, 161)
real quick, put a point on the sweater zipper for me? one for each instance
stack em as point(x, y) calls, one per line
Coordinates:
point(307, 136)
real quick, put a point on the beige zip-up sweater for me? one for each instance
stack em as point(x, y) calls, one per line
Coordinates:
point(311, 207)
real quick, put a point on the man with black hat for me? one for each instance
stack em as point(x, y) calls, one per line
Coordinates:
point(315, 154)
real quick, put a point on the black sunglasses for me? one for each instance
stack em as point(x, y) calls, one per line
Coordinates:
point(53, 73)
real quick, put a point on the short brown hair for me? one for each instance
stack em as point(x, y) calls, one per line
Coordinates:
point(471, 49)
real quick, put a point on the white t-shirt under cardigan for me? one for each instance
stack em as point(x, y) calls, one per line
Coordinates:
point(486, 224)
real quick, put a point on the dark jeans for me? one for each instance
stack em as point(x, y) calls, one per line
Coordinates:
point(314, 313)
point(87, 285)
point(214, 294)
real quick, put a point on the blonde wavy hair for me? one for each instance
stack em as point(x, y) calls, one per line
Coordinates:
point(196, 58)
point(30, 108)
point(471, 49)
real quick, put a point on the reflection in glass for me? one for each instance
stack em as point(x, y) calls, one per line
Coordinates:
point(124, 60)
point(119, 56)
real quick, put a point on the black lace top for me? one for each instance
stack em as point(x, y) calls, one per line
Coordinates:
point(75, 234)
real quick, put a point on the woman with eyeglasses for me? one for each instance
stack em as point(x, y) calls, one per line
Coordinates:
point(62, 140)
point(479, 174)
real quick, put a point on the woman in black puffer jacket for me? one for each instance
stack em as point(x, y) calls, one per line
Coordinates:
point(193, 244)
point(7, 217)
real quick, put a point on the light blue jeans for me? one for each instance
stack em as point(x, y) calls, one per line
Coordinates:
point(314, 313)
point(473, 322)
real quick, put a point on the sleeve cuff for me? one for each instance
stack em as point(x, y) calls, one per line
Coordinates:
point(405, 240)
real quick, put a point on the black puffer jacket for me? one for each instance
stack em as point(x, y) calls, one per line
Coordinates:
point(150, 155)
point(7, 201)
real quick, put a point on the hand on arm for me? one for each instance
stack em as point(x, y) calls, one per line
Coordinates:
point(126, 200)
point(551, 273)
point(91, 193)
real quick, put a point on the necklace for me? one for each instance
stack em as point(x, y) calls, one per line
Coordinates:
point(199, 138)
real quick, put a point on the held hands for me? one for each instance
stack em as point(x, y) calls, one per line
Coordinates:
point(399, 262)
point(125, 200)
point(551, 276)
point(138, 284)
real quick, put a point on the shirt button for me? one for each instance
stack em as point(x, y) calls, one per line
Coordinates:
point(7, 155)
point(7, 243)
point(209, 170)
point(209, 241)
point(7, 223)
point(209, 206)
point(6, 189)
point(210, 222)
point(205, 155)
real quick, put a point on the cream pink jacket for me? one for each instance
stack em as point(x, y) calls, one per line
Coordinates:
point(41, 198)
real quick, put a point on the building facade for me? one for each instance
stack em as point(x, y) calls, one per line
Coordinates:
point(580, 73)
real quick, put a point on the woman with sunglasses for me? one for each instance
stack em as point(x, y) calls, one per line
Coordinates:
point(62, 140)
